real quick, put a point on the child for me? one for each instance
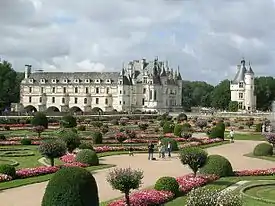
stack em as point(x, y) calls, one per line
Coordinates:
point(231, 134)
point(131, 151)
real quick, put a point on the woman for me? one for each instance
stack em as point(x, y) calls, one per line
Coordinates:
point(159, 148)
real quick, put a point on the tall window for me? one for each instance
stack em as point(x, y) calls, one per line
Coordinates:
point(143, 101)
point(53, 90)
point(151, 95)
point(240, 95)
point(30, 89)
point(106, 101)
point(40, 99)
point(145, 80)
point(155, 95)
point(75, 100)
point(87, 90)
point(144, 90)
point(107, 90)
point(97, 100)
point(53, 99)
point(42, 89)
point(30, 99)
point(76, 90)
point(240, 105)
point(120, 92)
point(63, 100)
point(85, 101)
point(241, 84)
point(64, 90)
point(97, 90)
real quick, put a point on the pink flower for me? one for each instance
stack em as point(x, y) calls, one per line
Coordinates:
point(4, 178)
point(36, 171)
point(259, 172)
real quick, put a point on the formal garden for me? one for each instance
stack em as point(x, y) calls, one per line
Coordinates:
point(68, 150)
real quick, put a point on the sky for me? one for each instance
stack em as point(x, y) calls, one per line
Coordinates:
point(207, 39)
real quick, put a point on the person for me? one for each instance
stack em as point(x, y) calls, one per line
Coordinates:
point(151, 151)
point(159, 148)
point(231, 134)
point(169, 149)
point(131, 151)
point(162, 150)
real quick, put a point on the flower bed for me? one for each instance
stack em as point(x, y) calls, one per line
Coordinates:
point(6, 143)
point(36, 171)
point(259, 172)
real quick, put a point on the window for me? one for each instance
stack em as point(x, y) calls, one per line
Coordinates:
point(155, 95)
point(241, 84)
point(240, 95)
point(76, 81)
point(53, 80)
point(143, 101)
point(65, 81)
point(87, 80)
point(145, 80)
point(64, 90)
point(42, 81)
point(85, 101)
point(240, 105)
point(97, 90)
point(120, 92)
point(53, 90)
point(107, 90)
point(30, 80)
point(120, 82)
point(151, 94)
point(119, 102)
point(106, 101)
point(40, 99)
point(42, 89)
point(144, 90)
point(30, 99)
point(97, 101)
point(75, 100)
point(30, 89)
point(63, 100)
point(108, 81)
point(87, 90)
point(53, 99)
point(76, 90)
point(123, 102)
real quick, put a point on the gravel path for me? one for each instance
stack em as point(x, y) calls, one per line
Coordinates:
point(31, 195)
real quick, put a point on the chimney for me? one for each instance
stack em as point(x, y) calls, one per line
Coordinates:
point(28, 69)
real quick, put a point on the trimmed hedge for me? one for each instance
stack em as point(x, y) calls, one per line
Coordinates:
point(71, 186)
point(168, 127)
point(8, 170)
point(87, 156)
point(97, 138)
point(263, 149)
point(167, 184)
point(173, 142)
point(217, 165)
point(40, 119)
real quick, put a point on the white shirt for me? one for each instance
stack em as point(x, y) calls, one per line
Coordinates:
point(169, 145)
point(231, 133)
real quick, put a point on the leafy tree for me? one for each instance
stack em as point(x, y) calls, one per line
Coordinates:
point(39, 130)
point(221, 95)
point(68, 121)
point(71, 139)
point(201, 123)
point(233, 106)
point(125, 180)
point(52, 149)
point(121, 137)
point(143, 126)
point(40, 119)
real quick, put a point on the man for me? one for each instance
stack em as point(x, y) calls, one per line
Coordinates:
point(150, 151)
point(169, 149)
point(231, 134)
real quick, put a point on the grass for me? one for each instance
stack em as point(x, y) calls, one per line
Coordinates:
point(269, 158)
point(239, 136)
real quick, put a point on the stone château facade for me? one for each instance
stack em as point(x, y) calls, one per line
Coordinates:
point(141, 85)
point(243, 88)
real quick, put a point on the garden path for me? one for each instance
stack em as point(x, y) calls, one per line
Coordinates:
point(31, 195)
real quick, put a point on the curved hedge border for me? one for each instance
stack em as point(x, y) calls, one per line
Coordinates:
point(243, 192)
point(15, 152)
point(10, 162)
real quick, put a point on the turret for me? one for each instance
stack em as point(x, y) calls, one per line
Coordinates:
point(28, 69)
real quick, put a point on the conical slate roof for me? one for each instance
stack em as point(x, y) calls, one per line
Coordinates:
point(240, 74)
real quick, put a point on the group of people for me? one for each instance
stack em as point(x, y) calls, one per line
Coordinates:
point(162, 149)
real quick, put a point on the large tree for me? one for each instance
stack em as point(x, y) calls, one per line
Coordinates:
point(221, 95)
point(9, 84)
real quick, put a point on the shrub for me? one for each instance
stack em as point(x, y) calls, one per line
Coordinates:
point(39, 129)
point(161, 123)
point(97, 124)
point(131, 134)
point(6, 127)
point(68, 121)
point(26, 141)
point(217, 165)
point(143, 126)
point(52, 149)
point(81, 128)
point(249, 123)
point(71, 140)
point(114, 122)
point(87, 156)
point(71, 186)
point(174, 143)
point(121, 137)
point(168, 127)
point(271, 139)
point(8, 170)
point(2, 137)
point(201, 123)
point(97, 138)
point(194, 157)
point(40, 119)
point(217, 132)
point(182, 117)
point(125, 180)
point(178, 130)
point(86, 145)
point(167, 184)
point(263, 149)
point(258, 127)
point(104, 129)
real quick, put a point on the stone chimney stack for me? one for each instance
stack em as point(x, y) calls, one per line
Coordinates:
point(28, 70)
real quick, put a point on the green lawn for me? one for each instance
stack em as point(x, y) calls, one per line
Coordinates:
point(270, 158)
point(239, 136)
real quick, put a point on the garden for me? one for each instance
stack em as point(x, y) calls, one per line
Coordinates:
point(39, 148)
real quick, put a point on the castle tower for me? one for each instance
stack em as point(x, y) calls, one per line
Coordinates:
point(249, 89)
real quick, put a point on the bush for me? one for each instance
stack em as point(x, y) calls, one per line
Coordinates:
point(86, 145)
point(121, 137)
point(39, 130)
point(40, 119)
point(97, 138)
point(71, 186)
point(161, 123)
point(8, 170)
point(143, 126)
point(182, 117)
point(263, 149)
point(201, 123)
point(71, 140)
point(104, 129)
point(167, 184)
point(87, 156)
point(217, 132)
point(114, 122)
point(178, 130)
point(97, 124)
point(81, 128)
point(168, 127)
point(6, 127)
point(3, 137)
point(125, 180)
point(194, 157)
point(258, 127)
point(68, 121)
point(217, 165)
point(271, 139)
point(26, 141)
point(249, 123)
point(174, 143)
point(52, 149)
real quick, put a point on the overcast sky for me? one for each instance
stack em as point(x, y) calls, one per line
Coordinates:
point(206, 38)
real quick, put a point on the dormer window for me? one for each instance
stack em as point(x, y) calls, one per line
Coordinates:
point(87, 80)
point(76, 81)
point(53, 81)
point(97, 81)
point(108, 81)
point(42, 81)
point(65, 81)
point(241, 84)
point(31, 81)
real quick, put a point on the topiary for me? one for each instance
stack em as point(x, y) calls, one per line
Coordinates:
point(68, 121)
point(217, 132)
point(217, 165)
point(8, 170)
point(167, 184)
point(71, 139)
point(178, 130)
point(174, 143)
point(81, 128)
point(71, 186)
point(86, 145)
point(97, 138)
point(258, 127)
point(182, 117)
point(40, 119)
point(87, 156)
point(26, 141)
point(168, 127)
point(263, 149)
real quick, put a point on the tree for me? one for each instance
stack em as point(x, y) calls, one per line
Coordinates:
point(121, 137)
point(40, 119)
point(39, 130)
point(71, 139)
point(201, 123)
point(9, 84)
point(68, 121)
point(143, 126)
point(52, 149)
point(221, 95)
point(233, 106)
point(194, 157)
point(125, 180)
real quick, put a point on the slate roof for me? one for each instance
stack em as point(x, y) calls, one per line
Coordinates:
point(242, 70)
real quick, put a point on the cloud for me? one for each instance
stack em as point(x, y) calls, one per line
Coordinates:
point(205, 38)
